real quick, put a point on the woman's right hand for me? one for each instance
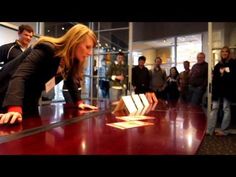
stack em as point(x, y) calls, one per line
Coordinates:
point(120, 77)
point(10, 117)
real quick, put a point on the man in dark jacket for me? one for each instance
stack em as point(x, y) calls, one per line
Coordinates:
point(12, 50)
point(198, 80)
point(140, 77)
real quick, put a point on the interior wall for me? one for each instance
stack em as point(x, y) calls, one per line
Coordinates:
point(7, 35)
point(205, 45)
point(150, 56)
point(32, 24)
point(232, 41)
point(164, 53)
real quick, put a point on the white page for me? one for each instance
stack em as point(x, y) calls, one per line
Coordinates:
point(129, 124)
point(144, 99)
point(129, 104)
point(137, 101)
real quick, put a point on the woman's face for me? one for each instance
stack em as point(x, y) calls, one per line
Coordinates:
point(84, 49)
point(173, 72)
point(225, 53)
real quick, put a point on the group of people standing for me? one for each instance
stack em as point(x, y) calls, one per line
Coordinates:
point(188, 85)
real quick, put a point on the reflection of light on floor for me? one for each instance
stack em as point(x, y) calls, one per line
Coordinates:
point(190, 134)
point(179, 129)
point(179, 123)
point(185, 134)
point(59, 131)
point(190, 139)
point(51, 137)
point(58, 112)
point(83, 146)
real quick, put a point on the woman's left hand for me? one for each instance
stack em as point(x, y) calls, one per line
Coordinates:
point(10, 117)
point(87, 106)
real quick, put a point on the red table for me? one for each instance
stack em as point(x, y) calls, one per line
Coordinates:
point(61, 129)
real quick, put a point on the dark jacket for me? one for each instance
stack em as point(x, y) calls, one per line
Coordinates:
point(29, 79)
point(172, 88)
point(198, 75)
point(223, 85)
point(9, 51)
point(140, 79)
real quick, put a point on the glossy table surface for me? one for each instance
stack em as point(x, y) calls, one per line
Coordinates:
point(62, 129)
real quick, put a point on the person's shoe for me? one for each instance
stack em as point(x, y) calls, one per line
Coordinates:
point(219, 133)
point(208, 134)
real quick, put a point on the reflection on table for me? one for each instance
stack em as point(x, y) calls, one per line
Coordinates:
point(63, 129)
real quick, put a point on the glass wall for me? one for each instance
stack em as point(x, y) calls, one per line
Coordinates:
point(188, 47)
point(223, 34)
point(113, 37)
point(172, 50)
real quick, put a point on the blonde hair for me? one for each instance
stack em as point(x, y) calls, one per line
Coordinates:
point(66, 46)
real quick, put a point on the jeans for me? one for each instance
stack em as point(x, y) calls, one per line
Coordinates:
point(195, 95)
point(211, 124)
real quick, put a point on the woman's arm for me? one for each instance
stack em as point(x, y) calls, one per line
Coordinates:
point(33, 63)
